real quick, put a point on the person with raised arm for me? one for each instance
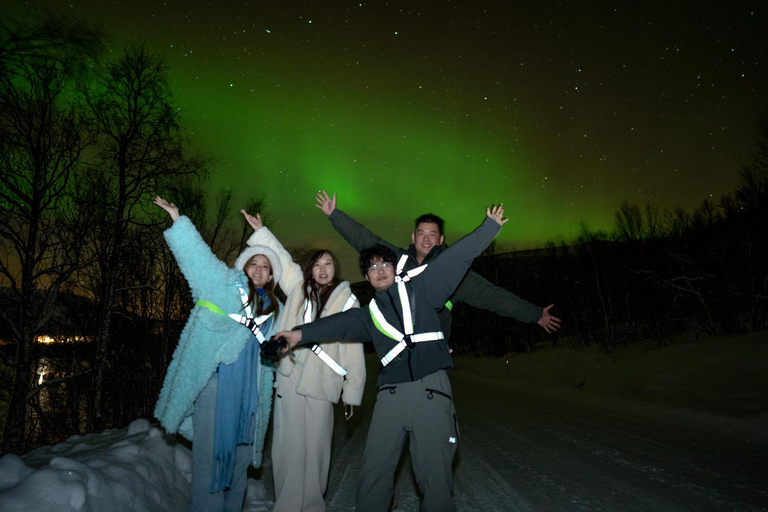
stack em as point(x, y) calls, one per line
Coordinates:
point(414, 396)
point(428, 242)
point(312, 380)
point(217, 392)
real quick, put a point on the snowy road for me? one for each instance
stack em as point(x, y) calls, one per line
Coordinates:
point(528, 448)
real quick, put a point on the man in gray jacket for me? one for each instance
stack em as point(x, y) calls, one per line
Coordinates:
point(414, 396)
point(428, 243)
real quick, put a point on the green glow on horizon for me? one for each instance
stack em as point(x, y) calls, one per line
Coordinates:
point(388, 162)
point(449, 118)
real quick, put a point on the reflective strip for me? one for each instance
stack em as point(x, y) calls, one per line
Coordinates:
point(309, 311)
point(251, 323)
point(210, 306)
point(387, 329)
point(381, 323)
point(411, 273)
point(308, 314)
point(244, 299)
point(392, 354)
point(427, 336)
point(309, 307)
point(350, 302)
point(401, 263)
point(405, 304)
point(328, 359)
point(416, 338)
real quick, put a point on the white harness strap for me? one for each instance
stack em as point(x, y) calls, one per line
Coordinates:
point(308, 317)
point(403, 293)
point(252, 323)
point(415, 338)
point(388, 329)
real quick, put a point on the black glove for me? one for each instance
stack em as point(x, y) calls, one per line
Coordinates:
point(272, 349)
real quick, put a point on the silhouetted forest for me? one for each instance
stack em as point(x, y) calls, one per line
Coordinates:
point(656, 274)
point(85, 143)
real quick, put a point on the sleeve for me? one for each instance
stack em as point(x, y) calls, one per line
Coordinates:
point(443, 275)
point(293, 275)
point(351, 325)
point(356, 235)
point(353, 359)
point(478, 292)
point(195, 259)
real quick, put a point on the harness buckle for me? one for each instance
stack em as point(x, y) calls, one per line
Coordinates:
point(408, 339)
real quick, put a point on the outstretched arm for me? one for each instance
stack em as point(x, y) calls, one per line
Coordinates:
point(200, 266)
point(446, 272)
point(356, 235)
point(351, 325)
point(548, 322)
point(325, 202)
point(292, 276)
point(254, 222)
point(478, 292)
point(171, 208)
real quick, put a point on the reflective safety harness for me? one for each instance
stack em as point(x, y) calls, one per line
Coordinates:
point(309, 307)
point(408, 338)
point(254, 324)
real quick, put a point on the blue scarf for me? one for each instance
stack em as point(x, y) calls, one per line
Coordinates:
point(237, 403)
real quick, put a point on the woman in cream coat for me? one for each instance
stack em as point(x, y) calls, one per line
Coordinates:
point(307, 387)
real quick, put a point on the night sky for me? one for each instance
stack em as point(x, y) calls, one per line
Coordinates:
point(560, 110)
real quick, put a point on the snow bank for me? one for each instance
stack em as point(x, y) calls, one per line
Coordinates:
point(138, 468)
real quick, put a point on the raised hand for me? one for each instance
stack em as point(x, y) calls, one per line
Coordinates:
point(254, 222)
point(171, 208)
point(549, 322)
point(497, 214)
point(325, 202)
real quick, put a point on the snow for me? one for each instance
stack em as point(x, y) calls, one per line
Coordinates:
point(679, 427)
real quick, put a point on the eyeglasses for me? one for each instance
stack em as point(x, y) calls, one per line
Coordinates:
point(379, 266)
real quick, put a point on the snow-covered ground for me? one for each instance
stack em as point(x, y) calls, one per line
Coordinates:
point(684, 427)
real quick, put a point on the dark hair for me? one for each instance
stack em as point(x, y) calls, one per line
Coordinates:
point(313, 292)
point(255, 298)
point(430, 217)
point(378, 251)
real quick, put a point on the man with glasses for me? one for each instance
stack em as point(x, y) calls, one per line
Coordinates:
point(414, 396)
point(428, 243)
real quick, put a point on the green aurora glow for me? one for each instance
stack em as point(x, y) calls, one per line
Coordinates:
point(560, 112)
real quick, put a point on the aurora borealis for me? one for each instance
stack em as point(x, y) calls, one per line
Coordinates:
point(560, 110)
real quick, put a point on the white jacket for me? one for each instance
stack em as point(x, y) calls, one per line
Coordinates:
point(316, 380)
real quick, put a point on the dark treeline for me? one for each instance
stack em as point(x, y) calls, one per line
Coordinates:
point(657, 274)
point(86, 141)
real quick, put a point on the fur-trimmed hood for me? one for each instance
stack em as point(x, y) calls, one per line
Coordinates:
point(277, 267)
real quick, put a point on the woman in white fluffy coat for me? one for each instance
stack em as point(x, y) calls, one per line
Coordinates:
point(307, 387)
point(216, 388)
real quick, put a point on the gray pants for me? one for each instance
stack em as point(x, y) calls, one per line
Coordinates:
point(422, 410)
point(230, 500)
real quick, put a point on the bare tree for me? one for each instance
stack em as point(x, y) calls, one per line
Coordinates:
point(42, 138)
point(139, 149)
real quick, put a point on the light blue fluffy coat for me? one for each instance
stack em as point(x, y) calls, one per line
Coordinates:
point(208, 338)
